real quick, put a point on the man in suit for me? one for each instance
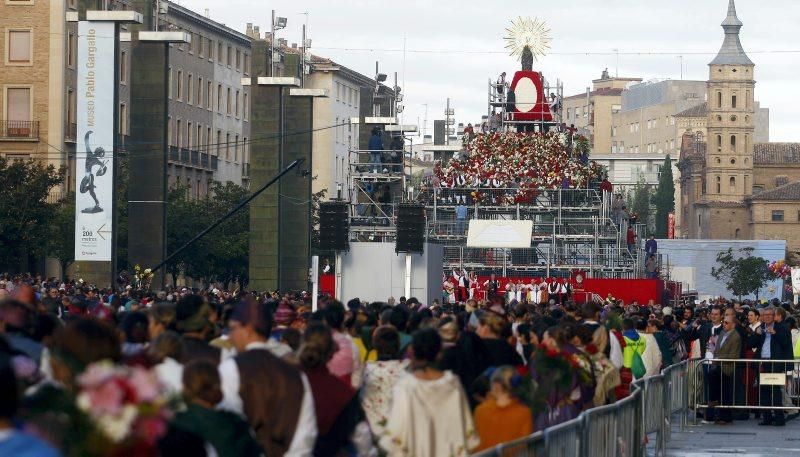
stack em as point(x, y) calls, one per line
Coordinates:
point(772, 342)
point(706, 333)
point(721, 374)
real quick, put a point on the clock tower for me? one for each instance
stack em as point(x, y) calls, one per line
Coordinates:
point(729, 154)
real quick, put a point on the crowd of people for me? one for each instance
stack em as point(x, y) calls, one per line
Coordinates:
point(211, 372)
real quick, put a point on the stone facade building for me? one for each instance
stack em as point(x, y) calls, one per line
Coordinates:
point(731, 186)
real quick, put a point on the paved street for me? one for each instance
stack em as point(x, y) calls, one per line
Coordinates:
point(740, 438)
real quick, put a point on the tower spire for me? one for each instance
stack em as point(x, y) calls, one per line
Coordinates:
point(731, 52)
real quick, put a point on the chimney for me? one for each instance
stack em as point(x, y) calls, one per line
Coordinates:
point(257, 32)
point(208, 14)
point(249, 31)
point(294, 45)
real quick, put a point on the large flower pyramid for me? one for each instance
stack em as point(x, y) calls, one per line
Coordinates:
point(525, 163)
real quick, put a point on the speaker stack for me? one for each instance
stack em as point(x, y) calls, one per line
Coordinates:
point(410, 228)
point(334, 226)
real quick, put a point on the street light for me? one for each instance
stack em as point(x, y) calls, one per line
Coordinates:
point(278, 23)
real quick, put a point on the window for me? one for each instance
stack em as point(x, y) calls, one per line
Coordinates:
point(236, 149)
point(246, 108)
point(228, 146)
point(338, 92)
point(229, 56)
point(719, 143)
point(613, 131)
point(72, 50)
point(169, 131)
point(210, 49)
point(18, 104)
point(123, 118)
point(236, 111)
point(179, 131)
point(732, 184)
point(238, 60)
point(798, 216)
point(219, 98)
point(671, 144)
point(336, 131)
point(210, 95)
point(631, 127)
point(736, 234)
point(733, 101)
point(777, 215)
point(169, 83)
point(219, 142)
point(19, 44)
point(219, 53)
point(747, 100)
point(199, 99)
point(192, 42)
point(199, 138)
point(719, 185)
point(246, 64)
point(228, 102)
point(189, 91)
point(208, 140)
point(733, 144)
point(719, 99)
point(179, 78)
point(72, 105)
point(123, 67)
point(189, 132)
point(201, 45)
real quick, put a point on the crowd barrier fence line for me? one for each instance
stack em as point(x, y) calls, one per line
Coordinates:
point(621, 429)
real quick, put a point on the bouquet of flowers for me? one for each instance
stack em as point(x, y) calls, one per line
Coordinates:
point(126, 407)
point(780, 269)
point(555, 375)
point(141, 277)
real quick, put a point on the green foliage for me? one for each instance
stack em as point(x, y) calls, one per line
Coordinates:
point(25, 215)
point(742, 274)
point(61, 244)
point(638, 202)
point(221, 255)
point(664, 198)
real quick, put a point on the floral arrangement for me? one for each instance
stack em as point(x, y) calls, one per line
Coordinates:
point(141, 277)
point(780, 269)
point(527, 162)
point(554, 374)
point(125, 405)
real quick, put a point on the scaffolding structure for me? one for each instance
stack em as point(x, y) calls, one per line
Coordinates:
point(574, 229)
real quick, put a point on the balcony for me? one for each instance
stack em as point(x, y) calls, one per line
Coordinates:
point(71, 132)
point(245, 171)
point(214, 163)
point(19, 130)
point(174, 156)
point(192, 158)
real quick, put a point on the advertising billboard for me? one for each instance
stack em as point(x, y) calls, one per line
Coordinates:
point(94, 163)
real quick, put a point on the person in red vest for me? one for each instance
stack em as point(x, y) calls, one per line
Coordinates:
point(631, 239)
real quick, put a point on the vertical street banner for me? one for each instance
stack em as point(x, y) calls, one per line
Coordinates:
point(94, 162)
point(671, 226)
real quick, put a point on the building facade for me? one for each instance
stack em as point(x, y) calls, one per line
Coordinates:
point(335, 135)
point(731, 186)
point(591, 113)
point(209, 129)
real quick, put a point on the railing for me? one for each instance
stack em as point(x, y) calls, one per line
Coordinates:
point(376, 161)
point(586, 198)
point(745, 384)
point(174, 154)
point(619, 429)
point(19, 130)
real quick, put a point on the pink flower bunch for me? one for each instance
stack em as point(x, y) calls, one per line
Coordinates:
point(125, 403)
point(780, 269)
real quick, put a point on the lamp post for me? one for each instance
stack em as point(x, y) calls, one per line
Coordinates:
point(278, 23)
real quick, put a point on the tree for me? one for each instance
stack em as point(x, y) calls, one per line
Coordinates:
point(221, 255)
point(638, 202)
point(62, 238)
point(664, 198)
point(743, 274)
point(25, 215)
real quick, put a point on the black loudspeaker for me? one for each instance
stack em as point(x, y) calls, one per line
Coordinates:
point(334, 226)
point(410, 228)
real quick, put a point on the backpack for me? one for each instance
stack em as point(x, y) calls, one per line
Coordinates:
point(637, 366)
point(679, 351)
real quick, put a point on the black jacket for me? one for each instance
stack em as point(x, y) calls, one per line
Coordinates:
point(780, 345)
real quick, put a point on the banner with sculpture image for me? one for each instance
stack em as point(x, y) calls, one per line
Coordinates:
point(94, 163)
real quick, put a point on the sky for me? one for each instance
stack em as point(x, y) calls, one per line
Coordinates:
point(453, 47)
